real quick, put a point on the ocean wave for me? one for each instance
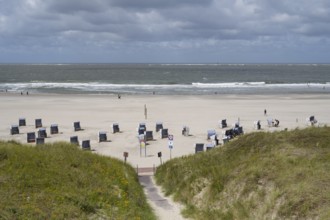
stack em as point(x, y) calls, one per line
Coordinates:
point(228, 85)
point(83, 86)
point(195, 87)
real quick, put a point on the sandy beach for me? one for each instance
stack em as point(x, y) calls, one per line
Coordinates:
point(200, 113)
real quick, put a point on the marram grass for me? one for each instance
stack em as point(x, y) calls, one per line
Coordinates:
point(59, 181)
point(280, 175)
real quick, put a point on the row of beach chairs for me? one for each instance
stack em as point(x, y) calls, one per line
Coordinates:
point(42, 133)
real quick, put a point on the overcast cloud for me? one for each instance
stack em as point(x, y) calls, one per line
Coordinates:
point(188, 31)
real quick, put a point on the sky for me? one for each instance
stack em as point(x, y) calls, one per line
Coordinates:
point(164, 31)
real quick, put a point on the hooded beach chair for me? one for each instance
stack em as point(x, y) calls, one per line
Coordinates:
point(85, 145)
point(76, 126)
point(38, 123)
point(223, 123)
point(54, 129)
point(14, 129)
point(210, 146)
point(159, 126)
point(102, 136)
point(115, 128)
point(210, 133)
point(42, 133)
point(199, 148)
point(270, 122)
point(31, 137)
point(21, 122)
point(142, 128)
point(312, 120)
point(74, 140)
point(148, 135)
point(164, 133)
point(142, 125)
point(40, 140)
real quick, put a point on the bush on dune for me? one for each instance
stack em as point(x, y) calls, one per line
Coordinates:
point(281, 175)
point(59, 181)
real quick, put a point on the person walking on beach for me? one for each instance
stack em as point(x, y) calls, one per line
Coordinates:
point(265, 112)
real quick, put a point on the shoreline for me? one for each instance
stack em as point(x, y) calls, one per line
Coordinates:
point(97, 112)
point(217, 95)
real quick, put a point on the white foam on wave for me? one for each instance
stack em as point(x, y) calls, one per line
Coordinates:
point(228, 85)
point(93, 86)
point(105, 87)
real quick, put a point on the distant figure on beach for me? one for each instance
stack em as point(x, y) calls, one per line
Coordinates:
point(119, 96)
point(27, 93)
point(265, 112)
point(258, 125)
point(145, 111)
point(21, 93)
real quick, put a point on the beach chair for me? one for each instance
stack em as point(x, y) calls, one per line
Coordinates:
point(210, 133)
point(31, 137)
point(141, 131)
point(14, 129)
point(143, 125)
point(240, 130)
point(42, 133)
point(270, 122)
point(74, 140)
point(159, 126)
point(210, 146)
point(21, 122)
point(76, 126)
point(199, 148)
point(54, 129)
point(102, 136)
point(164, 133)
point(229, 134)
point(215, 140)
point(115, 128)
point(312, 120)
point(223, 123)
point(85, 145)
point(40, 141)
point(148, 135)
point(38, 123)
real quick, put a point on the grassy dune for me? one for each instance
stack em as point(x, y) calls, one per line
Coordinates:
point(60, 181)
point(281, 175)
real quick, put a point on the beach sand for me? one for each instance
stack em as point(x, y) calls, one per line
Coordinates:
point(200, 113)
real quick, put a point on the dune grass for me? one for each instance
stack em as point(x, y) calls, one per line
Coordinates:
point(280, 175)
point(59, 181)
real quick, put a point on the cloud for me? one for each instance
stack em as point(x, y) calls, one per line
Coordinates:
point(186, 27)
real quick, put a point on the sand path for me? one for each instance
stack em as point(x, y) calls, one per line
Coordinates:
point(163, 206)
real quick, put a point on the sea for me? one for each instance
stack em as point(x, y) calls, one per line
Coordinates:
point(166, 79)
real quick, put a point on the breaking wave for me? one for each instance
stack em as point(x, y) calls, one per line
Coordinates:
point(193, 88)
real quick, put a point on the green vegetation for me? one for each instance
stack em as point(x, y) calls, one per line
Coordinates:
point(59, 181)
point(281, 175)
